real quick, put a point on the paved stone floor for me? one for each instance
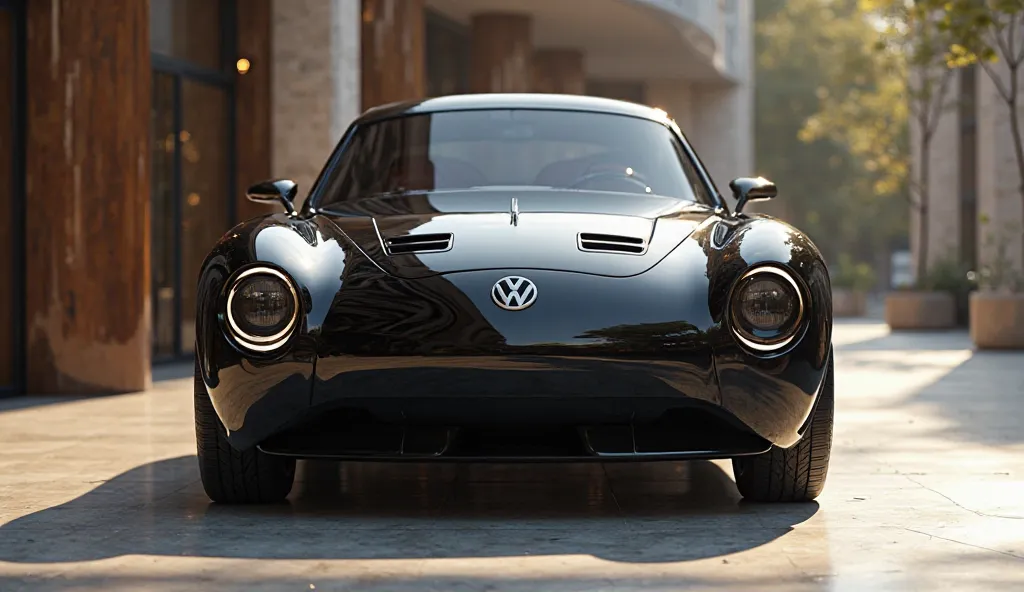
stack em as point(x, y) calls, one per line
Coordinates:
point(926, 492)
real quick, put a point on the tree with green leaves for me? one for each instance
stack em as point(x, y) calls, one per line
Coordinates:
point(811, 54)
point(989, 32)
point(910, 46)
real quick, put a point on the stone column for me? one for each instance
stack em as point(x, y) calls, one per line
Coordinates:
point(559, 71)
point(394, 51)
point(999, 181)
point(501, 57)
point(722, 129)
point(88, 184)
point(315, 68)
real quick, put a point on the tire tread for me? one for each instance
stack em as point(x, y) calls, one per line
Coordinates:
point(230, 475)
point(795, 474)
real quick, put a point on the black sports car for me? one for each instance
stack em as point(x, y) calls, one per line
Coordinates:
point(513, 278)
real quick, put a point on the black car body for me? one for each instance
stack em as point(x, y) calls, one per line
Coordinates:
point(512, 277)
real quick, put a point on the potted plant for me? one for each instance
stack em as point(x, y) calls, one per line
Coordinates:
point(997, 308)
point(850, 284)
point(936, 301)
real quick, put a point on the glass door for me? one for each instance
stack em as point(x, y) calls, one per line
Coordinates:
point(11, 202)
point(192, 183)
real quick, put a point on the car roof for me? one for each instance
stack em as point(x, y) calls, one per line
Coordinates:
point(512, 101)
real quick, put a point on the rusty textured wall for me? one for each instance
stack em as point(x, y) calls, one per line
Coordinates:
point(393, 56)
point(87, 178)
point(502, 53)
point(252, 106)
point(559, 71)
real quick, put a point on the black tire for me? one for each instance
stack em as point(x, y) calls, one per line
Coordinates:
point(797, 473)
point(233, 476)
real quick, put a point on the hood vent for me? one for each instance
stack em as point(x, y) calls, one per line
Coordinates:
point(610, 243)
point(418, 243)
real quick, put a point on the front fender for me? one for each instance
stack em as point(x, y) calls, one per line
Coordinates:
point(314, 256)
point(786, 383)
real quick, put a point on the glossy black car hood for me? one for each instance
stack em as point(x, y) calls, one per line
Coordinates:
point(544, 235)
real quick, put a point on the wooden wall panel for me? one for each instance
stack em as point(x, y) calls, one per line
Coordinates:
point(253, 105)
point(8, 250)
point(87, 181)
point(501, 57)
point(393, 51)
point(559, 71)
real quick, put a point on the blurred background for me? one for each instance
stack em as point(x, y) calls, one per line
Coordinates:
point(129, 130)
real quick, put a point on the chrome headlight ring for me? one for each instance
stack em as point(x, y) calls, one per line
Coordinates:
point(793, 325)
point(260, 343)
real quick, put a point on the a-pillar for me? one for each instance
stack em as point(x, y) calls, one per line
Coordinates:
point(559, 71)
point(501, 58)
point(87, 185)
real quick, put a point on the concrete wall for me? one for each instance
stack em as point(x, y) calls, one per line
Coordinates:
point(998, 178)
point(316, 84)
point(317, 90)
point(943, 185)
point(717, 117)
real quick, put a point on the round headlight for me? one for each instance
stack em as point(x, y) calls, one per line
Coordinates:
point(766, 308)
point(262, 308)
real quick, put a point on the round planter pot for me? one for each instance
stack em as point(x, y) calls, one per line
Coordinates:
point(997, 320)
point(848, 303)
point(920, 310)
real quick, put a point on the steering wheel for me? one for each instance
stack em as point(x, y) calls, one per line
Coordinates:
point(634, 178)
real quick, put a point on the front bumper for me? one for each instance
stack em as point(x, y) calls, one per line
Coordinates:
point(436, 353)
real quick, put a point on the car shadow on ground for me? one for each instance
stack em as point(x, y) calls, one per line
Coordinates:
point(643, 512)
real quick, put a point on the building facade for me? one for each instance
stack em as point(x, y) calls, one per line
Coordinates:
point(974, 183)
point(129, 130)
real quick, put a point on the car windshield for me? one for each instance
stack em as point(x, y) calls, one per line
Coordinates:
point(512, 147)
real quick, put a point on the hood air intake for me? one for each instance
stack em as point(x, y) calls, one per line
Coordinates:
point(611, 243)
point(418, 243)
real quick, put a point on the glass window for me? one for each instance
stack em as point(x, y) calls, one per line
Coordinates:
point(486, 148)
point(162, 215)
point(187, 29)
point(204, 142)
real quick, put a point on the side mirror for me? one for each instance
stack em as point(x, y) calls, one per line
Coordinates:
point(277, 190)
point(748, 189)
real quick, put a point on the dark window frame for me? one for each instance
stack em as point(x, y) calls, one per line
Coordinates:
point(224, 78)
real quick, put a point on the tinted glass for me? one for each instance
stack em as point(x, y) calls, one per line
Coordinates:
point(205, 188)
point(475, 149)
point(162, 215)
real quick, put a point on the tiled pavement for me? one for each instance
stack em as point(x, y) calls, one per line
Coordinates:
point(926, 492)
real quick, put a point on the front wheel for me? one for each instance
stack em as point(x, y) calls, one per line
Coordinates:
point(797, 473)
point(233, 476)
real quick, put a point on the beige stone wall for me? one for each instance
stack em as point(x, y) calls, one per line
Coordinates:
point(998, 177)
point(723, 118)
point(943, 183)
point(315, 83)
point(676, 98)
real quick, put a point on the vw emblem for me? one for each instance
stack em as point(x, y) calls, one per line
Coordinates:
point(514, 293)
